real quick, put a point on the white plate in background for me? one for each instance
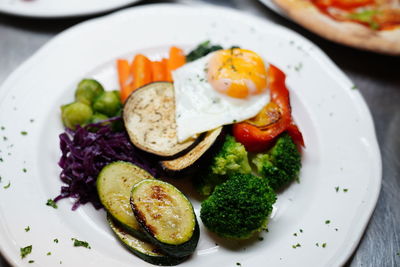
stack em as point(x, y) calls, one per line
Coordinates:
point(341, 147)
point(60, 8)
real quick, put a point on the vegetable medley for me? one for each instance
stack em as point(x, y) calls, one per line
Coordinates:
point(119, 145)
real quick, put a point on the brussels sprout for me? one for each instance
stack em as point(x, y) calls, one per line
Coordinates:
point(88, 90)
point(117, 93)
point(107, 103)
point(98, 117)
point(76, 113)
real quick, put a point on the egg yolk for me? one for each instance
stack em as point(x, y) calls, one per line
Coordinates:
point(238, 73)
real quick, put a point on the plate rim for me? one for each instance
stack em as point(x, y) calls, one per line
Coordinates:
point(29, 62)
point(6, 9)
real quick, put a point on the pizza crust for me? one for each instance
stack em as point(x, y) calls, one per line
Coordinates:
point(348, 33)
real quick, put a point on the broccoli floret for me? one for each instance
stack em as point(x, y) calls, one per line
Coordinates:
point(281, 164)
point(238, 207)
point(232, 158)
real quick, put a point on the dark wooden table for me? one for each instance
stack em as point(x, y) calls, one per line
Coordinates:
point(376, 76)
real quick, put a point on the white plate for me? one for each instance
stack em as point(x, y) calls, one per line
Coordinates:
point(60, 8)
point(271, 5)
point(339, 134)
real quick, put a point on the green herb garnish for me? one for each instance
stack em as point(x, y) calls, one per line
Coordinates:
point(327, 222)
point(31, 261)
point(25, 251)
point(366, 16)
point(51, 203)
point(296, 246)
point(79, 243)
point(55, 240)
point(324, 245)
point(27, 229)
point(24, 132)
point(7, 186)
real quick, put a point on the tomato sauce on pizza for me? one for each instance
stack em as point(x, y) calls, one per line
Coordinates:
point(376, 14)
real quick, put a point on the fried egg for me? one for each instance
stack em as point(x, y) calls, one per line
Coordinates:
point(224, 87)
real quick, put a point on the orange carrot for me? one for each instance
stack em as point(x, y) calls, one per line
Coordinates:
point(123, 77)
point(125, 92)
point(123, 71)
point(176, 59)
point(159, 71)
point(168, 76)
point(141, 71)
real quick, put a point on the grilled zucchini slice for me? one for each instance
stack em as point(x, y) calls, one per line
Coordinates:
point(144, 250)
point(167, 217)
point(114, 185)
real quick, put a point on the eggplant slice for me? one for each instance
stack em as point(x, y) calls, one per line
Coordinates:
point(191, 160)
point(149, 118)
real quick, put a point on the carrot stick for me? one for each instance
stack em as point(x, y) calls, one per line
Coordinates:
point(123, 69)
point(159, 71)
point(176, 59)
point(168, 76)
point(141, 71)
point(125, 92)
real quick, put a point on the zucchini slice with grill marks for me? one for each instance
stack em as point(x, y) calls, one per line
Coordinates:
point(114, 185)
point(144, 250)
point(167, 217)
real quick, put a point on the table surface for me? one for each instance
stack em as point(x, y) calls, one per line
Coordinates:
point(376, 76)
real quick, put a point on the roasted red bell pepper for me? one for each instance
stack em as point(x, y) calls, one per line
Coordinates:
point(258, 133)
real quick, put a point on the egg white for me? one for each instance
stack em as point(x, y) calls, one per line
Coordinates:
point(200, 108)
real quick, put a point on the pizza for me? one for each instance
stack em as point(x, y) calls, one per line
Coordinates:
point(367, 24)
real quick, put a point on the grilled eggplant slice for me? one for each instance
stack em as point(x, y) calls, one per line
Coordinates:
point(114, 184)
point(144, 250)
point(193, 159)
point(167, 217)
point(149, 118)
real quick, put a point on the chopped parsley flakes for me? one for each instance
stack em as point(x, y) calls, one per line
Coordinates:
point(345, 190)
point(327, 222)
point(7, 186)
point(24, 170)
point(324, 245)
point(296, 246)
point(25, 251)
point(79, 243)
point(27, 229)
point(55, 240)
point(51, 203)
point(31, 261)
point(24, 133)
point(48, 253)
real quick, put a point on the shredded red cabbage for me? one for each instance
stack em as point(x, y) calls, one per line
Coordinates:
point(86, 151)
